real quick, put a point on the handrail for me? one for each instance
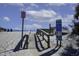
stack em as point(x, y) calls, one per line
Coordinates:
point(19, 45)
point(44, 32)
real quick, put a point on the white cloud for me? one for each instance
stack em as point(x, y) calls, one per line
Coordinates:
point(16, 4)
point(34, 5)
point(68, 18)
point(6, 18)
point(37, 26)
point(19, 4)
point(49, 16)
point(73, 7)
point(55, 18)
point(30, 27)
point(42, 14)
point(52, 21)
point(56, 4)
point(66, 21)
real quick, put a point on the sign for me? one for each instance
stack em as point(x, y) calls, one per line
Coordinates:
point(23, 14)
point(59, 29)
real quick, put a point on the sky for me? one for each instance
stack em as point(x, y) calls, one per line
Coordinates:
point(38, 15)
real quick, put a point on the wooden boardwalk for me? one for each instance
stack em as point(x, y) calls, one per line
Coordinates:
point(8, 41)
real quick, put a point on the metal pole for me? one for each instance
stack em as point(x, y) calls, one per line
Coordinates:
point(22, 27)
point(23, 15)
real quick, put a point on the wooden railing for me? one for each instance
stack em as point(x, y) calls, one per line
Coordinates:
point(43, 33)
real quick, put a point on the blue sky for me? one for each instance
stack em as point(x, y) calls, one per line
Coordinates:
point(38, 15)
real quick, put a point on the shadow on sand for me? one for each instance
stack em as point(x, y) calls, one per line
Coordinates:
point(20, 45)
point(54, 50)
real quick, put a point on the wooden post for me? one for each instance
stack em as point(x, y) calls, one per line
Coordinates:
point(48, 41)
point(49, 28)
point(42, 36)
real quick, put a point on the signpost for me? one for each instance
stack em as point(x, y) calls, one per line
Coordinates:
point(23, 15)
point(59, 31)
point(20, 45)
